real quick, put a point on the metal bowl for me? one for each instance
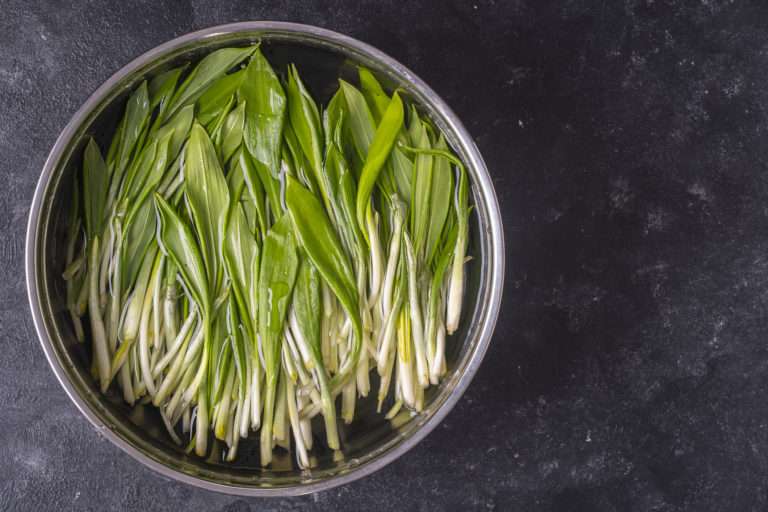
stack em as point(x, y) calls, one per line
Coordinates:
point(370, 442)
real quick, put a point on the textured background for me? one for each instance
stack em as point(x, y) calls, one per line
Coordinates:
point(627, 143)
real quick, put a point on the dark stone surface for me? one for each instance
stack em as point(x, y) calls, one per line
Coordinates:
point(627, 140)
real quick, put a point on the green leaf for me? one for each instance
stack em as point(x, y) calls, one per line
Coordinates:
point(440, 200)
point(139, 234)
point(238, 344)
point(277, 275)
point(231, 134)
point(95, 186)
point(162, 87)
point(374, 94)
point(253, 180)
point(265, 106)
point(241, 257)
point(208, 199)
point(212, 67)
point(179, 243)
point(218, 96)
point(359, 119)
point(136, 116)
point(422, 186)
point(321, 243)
point(279, 264)
point(378, 152)
point(178, 129)
point(333, 119)
point(306, 303)
point(305, 121)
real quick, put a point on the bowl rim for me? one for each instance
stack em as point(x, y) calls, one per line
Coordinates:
point(481, 179)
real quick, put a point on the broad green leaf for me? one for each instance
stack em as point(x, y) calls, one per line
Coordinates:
point(277, 275)
point(295, 161)
point(308, 307)
point(241, 257)
point(333, 119)
point(179, 243)
point(95, 186)
point(238, 343)
point(149, 173)
point(345, 193)
point(321, 243)
point(253, 181)
point(440, 200)
point(162, 87)
point(114, 146)
point(305, 121)
point(139, 234)
point(377, 155)
point(136, 117)
point(178, 128)
point(231, 134)
point(359, 119)
point(212, 67)
point(265, 106)
point(279, 264)
point(218, 96)
point(422, 186)
point(208, 199)
point(374, 94)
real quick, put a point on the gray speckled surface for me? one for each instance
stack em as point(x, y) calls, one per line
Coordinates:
point(627, 143)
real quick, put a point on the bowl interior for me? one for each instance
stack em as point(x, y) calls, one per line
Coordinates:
point(370, 436)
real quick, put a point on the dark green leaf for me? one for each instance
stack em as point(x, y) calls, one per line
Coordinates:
point(95, 186)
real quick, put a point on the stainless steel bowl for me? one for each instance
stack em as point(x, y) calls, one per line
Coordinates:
point(370, 442)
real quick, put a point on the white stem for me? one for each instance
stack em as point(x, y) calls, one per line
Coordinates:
point(176, 344)
point(387, 338)
point(372, 225)
point(456, 289)
point(436, 370)
point(146, 368)
point(293, 414)
point(157, 301)
point(392, 259)
point(301, 342)
point(348, 399)
point(405, 380)
point(98, 333)
point(201, 427)
point(417, 327)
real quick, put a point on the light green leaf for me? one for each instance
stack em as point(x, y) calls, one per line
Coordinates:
point(179, 243)
point(378, 152)
point(265, 106)
point(208, 199)
point(212, 67)
point(217, 97)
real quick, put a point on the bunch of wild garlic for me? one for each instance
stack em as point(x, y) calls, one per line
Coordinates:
point(246, 258)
